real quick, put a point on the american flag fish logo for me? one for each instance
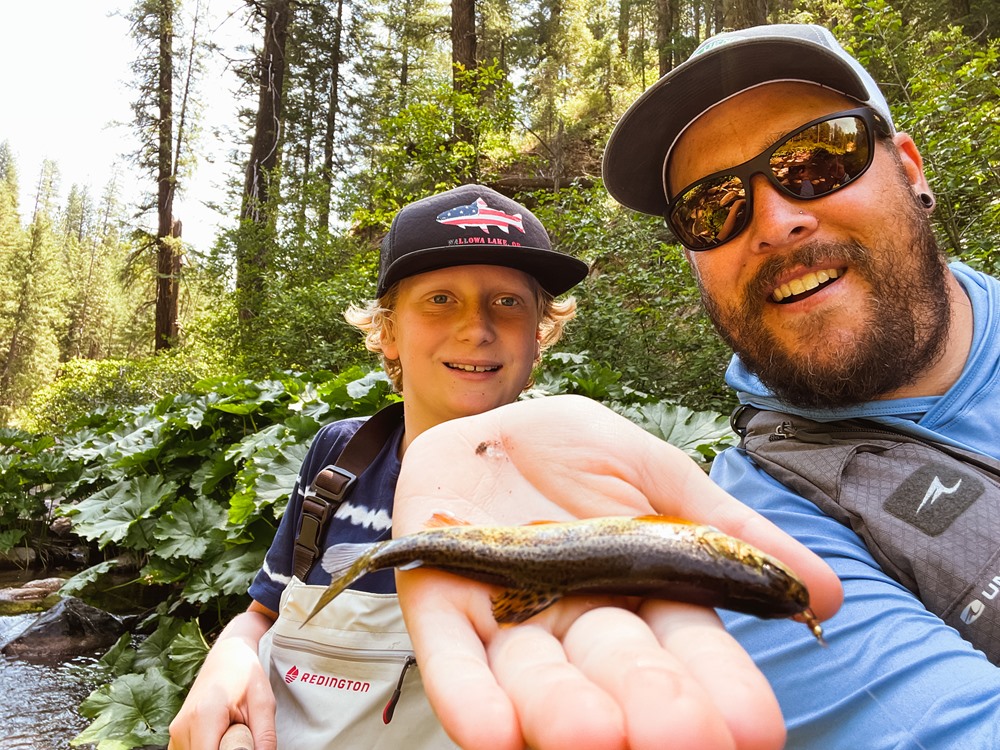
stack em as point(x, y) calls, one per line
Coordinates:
point(479, 214)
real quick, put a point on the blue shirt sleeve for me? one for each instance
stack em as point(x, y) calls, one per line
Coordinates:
point(892, 676)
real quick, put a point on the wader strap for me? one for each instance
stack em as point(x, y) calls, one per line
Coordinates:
point(334, 482)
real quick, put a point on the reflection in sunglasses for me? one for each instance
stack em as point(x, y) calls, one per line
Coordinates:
point(814, 161)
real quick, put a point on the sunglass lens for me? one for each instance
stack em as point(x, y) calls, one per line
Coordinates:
point(822, 158)
point(710, 212)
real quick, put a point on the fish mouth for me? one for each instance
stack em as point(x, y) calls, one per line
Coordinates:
point(464, 367)
point(805, 286)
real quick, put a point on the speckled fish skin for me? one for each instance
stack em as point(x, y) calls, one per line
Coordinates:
point(648, 556)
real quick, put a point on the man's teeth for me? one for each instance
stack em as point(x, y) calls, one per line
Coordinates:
point(803, 284)
point(474, 368)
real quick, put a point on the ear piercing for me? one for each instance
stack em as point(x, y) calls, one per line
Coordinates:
point(926, 200)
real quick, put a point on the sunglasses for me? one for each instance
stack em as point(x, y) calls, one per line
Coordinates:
point(819, 158)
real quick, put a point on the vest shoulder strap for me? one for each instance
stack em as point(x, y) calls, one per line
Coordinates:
point(334, 482)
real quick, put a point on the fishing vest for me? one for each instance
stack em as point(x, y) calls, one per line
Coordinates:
point(347, 678)
point(929, 513)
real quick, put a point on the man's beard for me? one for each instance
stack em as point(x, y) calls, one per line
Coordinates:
point(907, 319)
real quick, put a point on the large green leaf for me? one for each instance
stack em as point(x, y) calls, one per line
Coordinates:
point(109, 515)
point(81, 580)
point(699, 434)
point(186, 654)
point(133, 711)
point(189, 528)
point(231, 573)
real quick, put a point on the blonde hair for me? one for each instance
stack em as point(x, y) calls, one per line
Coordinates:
point(376, 319)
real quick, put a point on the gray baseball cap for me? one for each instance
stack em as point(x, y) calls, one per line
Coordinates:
point(721, 67)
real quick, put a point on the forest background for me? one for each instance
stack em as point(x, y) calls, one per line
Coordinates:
point(161, 398)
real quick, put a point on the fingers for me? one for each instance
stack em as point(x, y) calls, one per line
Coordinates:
point(557, 705)
point(447, 624)
point(659, 696)
point(567, 456)
point(723, 668)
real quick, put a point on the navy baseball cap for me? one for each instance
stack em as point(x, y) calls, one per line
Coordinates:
point(468, 225)
point(722, 66)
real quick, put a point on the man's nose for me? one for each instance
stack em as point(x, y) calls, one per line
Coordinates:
point(778, 219)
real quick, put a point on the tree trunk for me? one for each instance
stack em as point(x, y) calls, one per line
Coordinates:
point(665, 34)
point(167, 252)
point(741, 14)
point(624, 24)
point(331, 118)
point(463, 57)
point(257, 210)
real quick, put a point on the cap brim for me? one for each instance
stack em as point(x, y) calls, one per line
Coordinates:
point(634, 156)
point(556, 272)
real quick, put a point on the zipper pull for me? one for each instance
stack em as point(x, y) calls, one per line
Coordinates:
point(785, 431)
point(782, 432)
point(390, 707)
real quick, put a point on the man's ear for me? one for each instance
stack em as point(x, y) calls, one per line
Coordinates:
point(913, 163)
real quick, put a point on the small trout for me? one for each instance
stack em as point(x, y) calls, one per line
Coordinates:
point(539, 563)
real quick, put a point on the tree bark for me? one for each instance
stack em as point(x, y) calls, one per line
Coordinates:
point(333, 106)
point(259, 188)
point(665, 34)
point(463, 54)
point(741, 14)
point(167, 252)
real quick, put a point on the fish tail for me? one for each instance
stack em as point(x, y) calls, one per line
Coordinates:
point(345, 563)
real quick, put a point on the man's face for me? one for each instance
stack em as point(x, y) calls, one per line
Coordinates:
point(832, 301)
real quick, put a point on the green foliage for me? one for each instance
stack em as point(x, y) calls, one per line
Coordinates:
point(32, 475)
point(193, 486)
point(639, 308)
point(84, 386)
point(702, 435)
point(419, 152)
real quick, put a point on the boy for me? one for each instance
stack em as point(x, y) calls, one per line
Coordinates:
point(465, 306)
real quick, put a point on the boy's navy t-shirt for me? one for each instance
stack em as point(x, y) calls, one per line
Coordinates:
point(365, 516)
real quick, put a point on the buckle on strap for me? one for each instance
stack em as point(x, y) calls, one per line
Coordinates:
point(332, 484)
point(320, 501)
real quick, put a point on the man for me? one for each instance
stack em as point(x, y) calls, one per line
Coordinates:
point(772, 155)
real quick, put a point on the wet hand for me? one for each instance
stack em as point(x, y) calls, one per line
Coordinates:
point(589, 672)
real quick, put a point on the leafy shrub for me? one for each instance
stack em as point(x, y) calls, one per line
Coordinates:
point(85, 386)
point(640, 308)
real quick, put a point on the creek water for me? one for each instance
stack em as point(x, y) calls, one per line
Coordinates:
point(38, 702)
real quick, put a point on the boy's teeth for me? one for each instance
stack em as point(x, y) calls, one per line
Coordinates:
point(803, 284)
point(474, 368)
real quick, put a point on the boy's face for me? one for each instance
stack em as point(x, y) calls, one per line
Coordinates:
point(466, 338)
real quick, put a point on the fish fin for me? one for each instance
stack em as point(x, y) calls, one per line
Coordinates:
point(665, 519)
point(443, 519)
point(345, 563)
point(338, 559)
point(512, 606)
point(411, 565)
point(539, 523)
